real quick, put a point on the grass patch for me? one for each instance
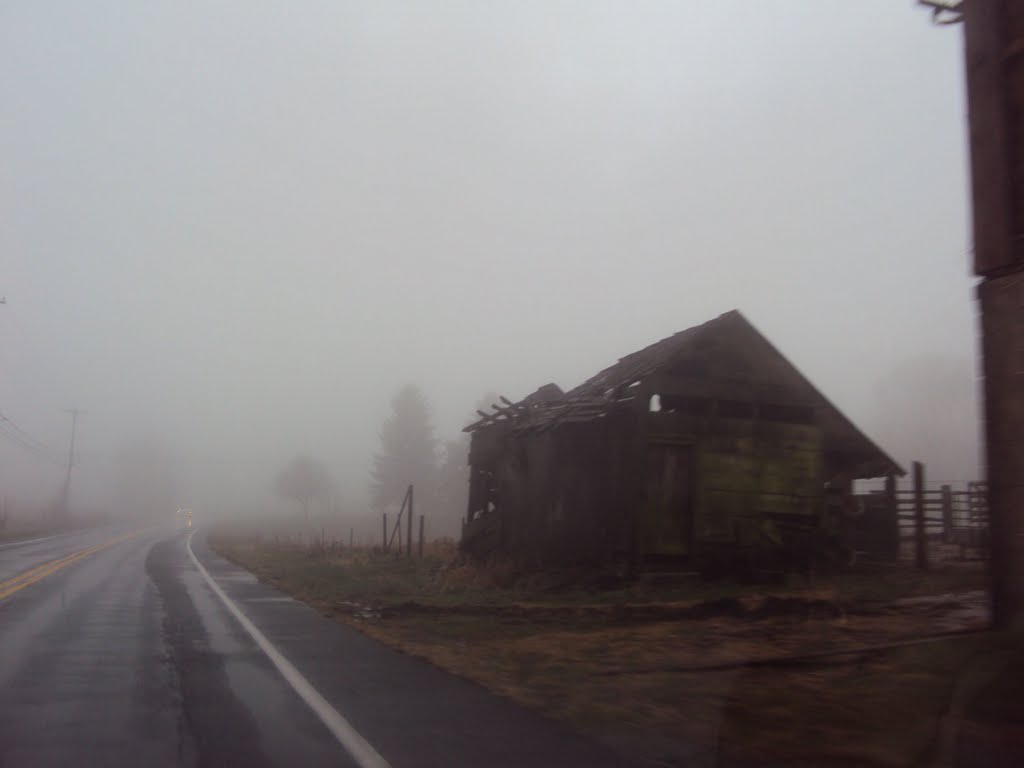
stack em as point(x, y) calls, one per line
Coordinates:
point(609, 662)
point(438, 580)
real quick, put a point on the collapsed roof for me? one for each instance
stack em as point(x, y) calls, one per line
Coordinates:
point(724, 358)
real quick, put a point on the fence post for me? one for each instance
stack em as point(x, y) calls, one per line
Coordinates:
point(384, 535)
point(421, 537)
point(947, 514)
point(920, 540)
point(892, 511)
point(408, 525)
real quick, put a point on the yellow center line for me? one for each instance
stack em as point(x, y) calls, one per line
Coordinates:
point(31, 576)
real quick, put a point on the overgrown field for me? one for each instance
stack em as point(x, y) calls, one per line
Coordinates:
point(664, 672)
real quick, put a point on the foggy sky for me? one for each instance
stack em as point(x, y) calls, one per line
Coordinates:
point(239, 227)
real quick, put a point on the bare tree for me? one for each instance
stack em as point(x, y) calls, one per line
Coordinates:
point(303, 480)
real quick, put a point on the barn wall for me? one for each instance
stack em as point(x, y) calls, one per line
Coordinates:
point(565, 493)
point(574, 493)
point(750, 471)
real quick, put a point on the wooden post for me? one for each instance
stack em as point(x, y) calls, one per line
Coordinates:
point(635, 488)
point(421, 537)
point(947, 514)
point(993, 39)
point(892, 512)
point(920, 542)
point(408, 527)
point(384, 535)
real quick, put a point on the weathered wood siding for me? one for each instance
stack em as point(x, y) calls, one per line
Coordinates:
point(751, 471)
point(565, 493)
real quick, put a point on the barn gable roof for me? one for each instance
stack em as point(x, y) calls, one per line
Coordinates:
point(726, 357)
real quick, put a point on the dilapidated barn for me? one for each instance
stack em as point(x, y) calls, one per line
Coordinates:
point(704, 446)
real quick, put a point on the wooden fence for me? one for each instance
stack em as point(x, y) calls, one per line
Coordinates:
point(953, 522)
point(406, 511)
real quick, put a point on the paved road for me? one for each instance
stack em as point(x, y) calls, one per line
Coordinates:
point(116, 649)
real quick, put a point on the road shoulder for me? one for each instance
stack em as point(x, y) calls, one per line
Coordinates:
point(412, 712)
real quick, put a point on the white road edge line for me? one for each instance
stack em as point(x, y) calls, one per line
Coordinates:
point(27, 541)
point(349, 738)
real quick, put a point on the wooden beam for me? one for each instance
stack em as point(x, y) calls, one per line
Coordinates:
point(985, 42)
point(920, 540)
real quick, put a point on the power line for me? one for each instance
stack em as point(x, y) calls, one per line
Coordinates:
point(19, 437)
point(26, 446)
point(25, 435)
point(15, 438)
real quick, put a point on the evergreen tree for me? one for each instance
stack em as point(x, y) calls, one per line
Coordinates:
point(408, 454)
point(453, 480)
point(453, 487)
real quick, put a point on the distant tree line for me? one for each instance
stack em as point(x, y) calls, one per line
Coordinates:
point(409, 453)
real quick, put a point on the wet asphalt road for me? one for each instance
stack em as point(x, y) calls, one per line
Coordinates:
point(126, 656)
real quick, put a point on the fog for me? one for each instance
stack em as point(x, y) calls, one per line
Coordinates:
point(232, 231)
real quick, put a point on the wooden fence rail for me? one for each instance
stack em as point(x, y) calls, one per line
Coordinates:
point(940, 521)
point(406, 511)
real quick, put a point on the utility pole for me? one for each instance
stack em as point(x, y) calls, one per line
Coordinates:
point(994, 58)
point(65, 510)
